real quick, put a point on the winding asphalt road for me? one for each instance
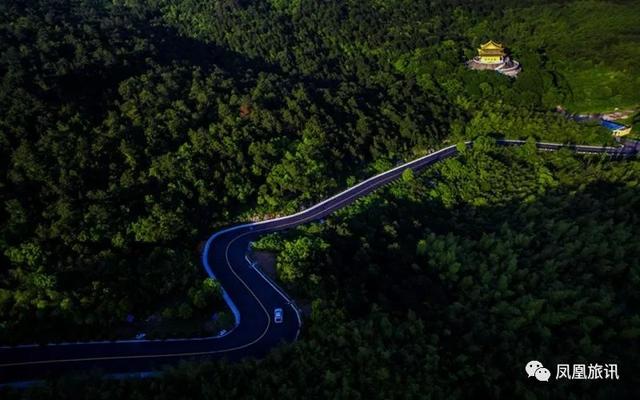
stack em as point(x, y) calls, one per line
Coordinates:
point(250, 294)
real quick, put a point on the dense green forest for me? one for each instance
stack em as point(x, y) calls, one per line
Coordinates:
point(443, 285)
point(581, 54)
point(131, 130)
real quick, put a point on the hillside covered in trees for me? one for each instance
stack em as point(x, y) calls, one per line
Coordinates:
point(131, 130)
point(444, 284)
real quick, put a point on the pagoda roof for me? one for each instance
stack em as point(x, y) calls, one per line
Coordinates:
point(491, 45)
point(490, 52)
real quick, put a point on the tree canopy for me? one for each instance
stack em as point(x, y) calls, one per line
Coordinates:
point(131, 130)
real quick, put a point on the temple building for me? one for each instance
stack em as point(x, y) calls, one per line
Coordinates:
point(491, 52)
point(493, 56)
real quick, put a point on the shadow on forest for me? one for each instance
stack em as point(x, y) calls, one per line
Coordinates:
point(552, 275)
point(404, 286)
point(167, 47)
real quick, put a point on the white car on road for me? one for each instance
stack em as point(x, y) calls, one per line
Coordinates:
point(277, 315)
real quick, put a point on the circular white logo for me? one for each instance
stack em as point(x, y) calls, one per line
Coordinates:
point(535, 368)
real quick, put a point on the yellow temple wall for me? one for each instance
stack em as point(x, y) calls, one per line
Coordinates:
point(490, 59)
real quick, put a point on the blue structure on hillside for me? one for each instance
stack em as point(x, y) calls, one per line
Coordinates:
point(616, 129)
point(612, 126)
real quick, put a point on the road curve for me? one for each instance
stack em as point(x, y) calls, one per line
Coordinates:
point(251, 295)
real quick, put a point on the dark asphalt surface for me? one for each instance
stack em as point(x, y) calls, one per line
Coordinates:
point(249, 294)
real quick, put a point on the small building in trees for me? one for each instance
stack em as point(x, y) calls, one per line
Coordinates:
point(494, 56)
point(617, 130)
point(491, 52)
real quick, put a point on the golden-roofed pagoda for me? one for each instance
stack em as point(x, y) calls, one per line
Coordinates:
point(493, 56)
point(491, 52)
